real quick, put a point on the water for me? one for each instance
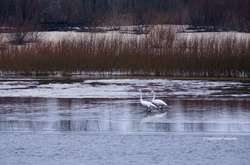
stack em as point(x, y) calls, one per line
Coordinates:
point(96, 121)
point(123, 116)
point(122, 88)
point(112, 106)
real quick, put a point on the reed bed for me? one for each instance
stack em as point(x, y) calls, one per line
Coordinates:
point(159, 53)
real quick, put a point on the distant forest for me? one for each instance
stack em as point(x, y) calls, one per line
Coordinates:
point(49, 14)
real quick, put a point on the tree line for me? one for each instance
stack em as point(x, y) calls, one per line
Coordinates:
point(49, 14)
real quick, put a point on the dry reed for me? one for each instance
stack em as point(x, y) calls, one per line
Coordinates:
point(159, 53)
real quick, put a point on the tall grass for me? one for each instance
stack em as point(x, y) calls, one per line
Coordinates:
point(159, 53)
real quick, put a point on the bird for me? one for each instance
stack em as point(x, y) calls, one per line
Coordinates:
point(145, 103)
point(158, 102)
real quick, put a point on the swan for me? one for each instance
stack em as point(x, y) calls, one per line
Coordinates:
point(158, 102)
point(147, 104)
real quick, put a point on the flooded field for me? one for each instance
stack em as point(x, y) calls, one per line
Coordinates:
point(101, 121)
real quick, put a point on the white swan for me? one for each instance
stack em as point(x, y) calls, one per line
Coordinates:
point(158, 102)
point(147, 104)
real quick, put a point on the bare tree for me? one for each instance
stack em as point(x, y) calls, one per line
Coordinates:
point(24, 34)
point(55, 13)
point(26, 22)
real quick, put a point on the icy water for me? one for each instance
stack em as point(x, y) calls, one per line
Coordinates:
point(100, 121)
point(123, 116)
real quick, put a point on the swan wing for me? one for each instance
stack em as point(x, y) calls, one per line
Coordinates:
point(153, 105)
point(149, 104)
point(159, 102)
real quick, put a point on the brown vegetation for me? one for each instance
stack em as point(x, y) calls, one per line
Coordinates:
point(159, 53)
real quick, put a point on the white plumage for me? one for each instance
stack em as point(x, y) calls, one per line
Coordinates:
point(145, 103)
point(158, 102)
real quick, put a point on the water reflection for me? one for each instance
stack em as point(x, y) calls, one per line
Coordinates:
point(123, 116)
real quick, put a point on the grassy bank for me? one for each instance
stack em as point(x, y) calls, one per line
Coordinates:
point(159, 53)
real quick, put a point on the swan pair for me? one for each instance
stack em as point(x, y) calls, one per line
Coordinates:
point(154, 103)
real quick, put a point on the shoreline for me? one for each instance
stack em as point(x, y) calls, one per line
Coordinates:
point(109, 75)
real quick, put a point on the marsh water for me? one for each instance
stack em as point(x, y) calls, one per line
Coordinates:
point(123, 116)
point(57, 121)
point(112, 106)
